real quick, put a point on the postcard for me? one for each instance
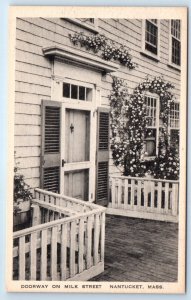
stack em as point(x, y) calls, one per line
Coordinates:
point(97, 149)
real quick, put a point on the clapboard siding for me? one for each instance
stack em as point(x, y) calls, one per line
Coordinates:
point(27, 130)
point(33, 182)
point(23, 141)
point(29, 162)
point(32, 88)
point(32, 69)
point(27, 118)
point(30, 173)
point(33, 79)
point(27, 151)
point(28, 108)
point(33, 76)
point(29, 98)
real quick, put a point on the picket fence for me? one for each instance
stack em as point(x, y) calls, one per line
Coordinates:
point(65, 242)
point(145, 198)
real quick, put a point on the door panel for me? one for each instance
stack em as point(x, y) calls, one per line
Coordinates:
point(77, 136)
point(76, 184)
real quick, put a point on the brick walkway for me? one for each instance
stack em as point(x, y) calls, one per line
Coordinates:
point(140, 250)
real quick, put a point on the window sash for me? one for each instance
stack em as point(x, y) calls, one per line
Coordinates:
point(175, 29)
point(175, 115)
point(175, 33)
point(151, 36)
point(152, 131)
point(175, 51)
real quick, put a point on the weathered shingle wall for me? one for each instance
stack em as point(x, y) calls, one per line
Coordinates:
point(33, 76)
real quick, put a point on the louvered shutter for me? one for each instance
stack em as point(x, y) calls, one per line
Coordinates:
point(102, 178)
point(50, 152)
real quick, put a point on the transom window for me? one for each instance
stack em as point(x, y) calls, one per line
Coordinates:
point(151, 35)
point(77, 92)
point(151, 137)
point(175, 42)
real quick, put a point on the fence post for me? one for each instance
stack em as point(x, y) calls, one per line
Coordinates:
point(174, 199)
point(36, 219)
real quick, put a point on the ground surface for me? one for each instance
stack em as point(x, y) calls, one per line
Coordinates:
point(140, 250)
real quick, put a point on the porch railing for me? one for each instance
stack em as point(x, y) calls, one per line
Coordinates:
point(144, 198)
point(65, 242)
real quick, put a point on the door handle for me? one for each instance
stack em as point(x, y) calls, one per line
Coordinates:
point(63, 162)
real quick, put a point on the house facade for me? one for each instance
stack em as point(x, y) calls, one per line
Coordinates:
point(62, 105)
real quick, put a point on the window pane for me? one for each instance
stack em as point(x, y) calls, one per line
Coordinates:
point(151, 37)
point(150, 111)
point(150, 142)
point(66, 90)
point(74, 91)
point(175, 28)
point(82, 94)
point(88, 94)
point(175, 51)
point(174, 115)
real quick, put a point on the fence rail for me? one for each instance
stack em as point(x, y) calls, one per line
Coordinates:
point(65, 242)
point(155, 199)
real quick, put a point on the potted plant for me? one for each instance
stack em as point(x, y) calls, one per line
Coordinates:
point(22, 197)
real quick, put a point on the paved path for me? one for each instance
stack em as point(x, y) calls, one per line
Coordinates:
point(140, 250)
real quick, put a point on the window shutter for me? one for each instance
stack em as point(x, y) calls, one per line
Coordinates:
point(50, 152)
point(102, 178)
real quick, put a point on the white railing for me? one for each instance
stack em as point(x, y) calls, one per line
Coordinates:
point(66, 241)
point(155, 199)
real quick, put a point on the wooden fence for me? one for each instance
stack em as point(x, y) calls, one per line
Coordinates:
point(144, 198)
point(65, 242)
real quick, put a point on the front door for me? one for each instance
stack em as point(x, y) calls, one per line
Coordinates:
point(76, 162)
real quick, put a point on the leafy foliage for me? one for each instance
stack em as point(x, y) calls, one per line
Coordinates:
point(108, 49)
point(21, 190)
point(129, 128)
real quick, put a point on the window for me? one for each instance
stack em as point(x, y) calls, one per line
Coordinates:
point(152, 116)
point(87, 20)
point(77, 92)
point(155, 125)
point(151, 36)
point(90, 24)
point(174, 124)
point(174, 115)
point(175, 42)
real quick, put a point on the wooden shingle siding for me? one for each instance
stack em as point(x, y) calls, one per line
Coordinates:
point(33, 75)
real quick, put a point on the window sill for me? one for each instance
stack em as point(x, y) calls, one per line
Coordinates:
point(174, 66)
point(150, 55)
point(93, 28)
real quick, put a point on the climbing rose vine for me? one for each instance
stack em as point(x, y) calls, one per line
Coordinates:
point(108, 49)
point(129, 128)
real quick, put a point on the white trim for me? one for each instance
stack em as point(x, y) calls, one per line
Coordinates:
point(143, 50)
point(90, 26)
point(83, 58)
